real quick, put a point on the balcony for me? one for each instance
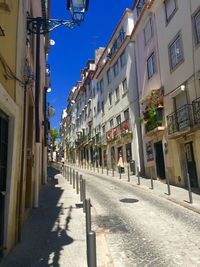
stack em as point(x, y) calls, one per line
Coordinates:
point(181, 120)
point(117, 132)
point(125, 127)
point(109, 135)
point(140, 6)
point(155, 122)
point(196, 110)
point(103, 139)
point(117, 43)
point(90, 116)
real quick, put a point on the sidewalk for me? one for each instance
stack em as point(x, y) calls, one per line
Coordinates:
point(178, 195)
point(54, 234)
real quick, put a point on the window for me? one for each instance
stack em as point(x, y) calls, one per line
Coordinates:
point(103, 129)
point(126, 115)
point(117, 93)
point(151, 69)
point(102, 107)
point(116, 68)
point(110, 99)
point(170, 9)
point(123, 59)
point(94, 111)
point(111, 123)
point(124, 86)
point(98, 87)
point(101, 86)
point(98, 107)
point(176, 52)
point(148, 31)
point(94, 92)
point(118, 119)
point(109, 76)
point(197, 27)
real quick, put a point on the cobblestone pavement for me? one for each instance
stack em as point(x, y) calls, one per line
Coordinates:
point(142, 228)
point(54, 234)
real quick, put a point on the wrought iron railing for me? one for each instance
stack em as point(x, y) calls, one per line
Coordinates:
point(196, 110)
point(180, 120)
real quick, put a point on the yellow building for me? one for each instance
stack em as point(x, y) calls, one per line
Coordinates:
point(20, 175)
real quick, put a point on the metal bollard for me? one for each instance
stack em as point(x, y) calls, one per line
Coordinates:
point(70, 176)
point(113, 171)
point(128, 172)
point(91, 249)
point(98, 168)
point(84, 195)
point(73, 179)
point(120, 173)
point(88, 215)
point(77, 187)
point(81, 187)
point(189, 188)
point(168, 184)
point(102, 169)
point(107, 170)
point(68, 173)
point(138, 175)
point(151, 179)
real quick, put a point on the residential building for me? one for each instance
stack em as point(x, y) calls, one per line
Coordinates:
point(150, 89)
point(118, 123)
point(179, 53)
point(21, 170)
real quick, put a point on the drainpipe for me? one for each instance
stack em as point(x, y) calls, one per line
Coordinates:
point(37, 117)
point(138, 124)
point(20, 192)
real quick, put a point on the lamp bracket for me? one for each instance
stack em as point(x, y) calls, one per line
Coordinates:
point(44, 26)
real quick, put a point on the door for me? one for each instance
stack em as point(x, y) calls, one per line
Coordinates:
point(160, 163)
point(191, 165)
point(3, 173)
point(128, 152)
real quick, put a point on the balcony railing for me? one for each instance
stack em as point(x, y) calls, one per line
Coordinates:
point(125, 127)
point(103, 139)
point(196, 110)
point(109, 135)
point(180, 120)
point(117, 132)
point(140, 6)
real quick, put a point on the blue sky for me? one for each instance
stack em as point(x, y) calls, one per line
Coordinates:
point(74, 47)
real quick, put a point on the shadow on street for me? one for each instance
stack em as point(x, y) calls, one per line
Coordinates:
point(44, 233)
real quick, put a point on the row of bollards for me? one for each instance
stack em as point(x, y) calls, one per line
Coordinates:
point(138, 178)
point(79, 183)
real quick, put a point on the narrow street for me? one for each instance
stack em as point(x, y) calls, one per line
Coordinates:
point(142, 229)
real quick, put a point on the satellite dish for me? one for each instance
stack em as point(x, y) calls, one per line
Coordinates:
point(52, 42)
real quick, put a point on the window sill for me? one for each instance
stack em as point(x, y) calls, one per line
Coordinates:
point(110, 107)
point(176, 66)
point(124, 93)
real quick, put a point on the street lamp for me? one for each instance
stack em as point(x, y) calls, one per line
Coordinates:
point(77, 9)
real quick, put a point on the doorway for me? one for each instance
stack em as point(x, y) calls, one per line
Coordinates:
point(3, 173)
point(160, 163)
point(191, 164)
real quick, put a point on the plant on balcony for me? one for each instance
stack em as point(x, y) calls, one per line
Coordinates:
point(152, 112)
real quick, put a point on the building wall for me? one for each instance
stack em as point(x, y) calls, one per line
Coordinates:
point(184, 74)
